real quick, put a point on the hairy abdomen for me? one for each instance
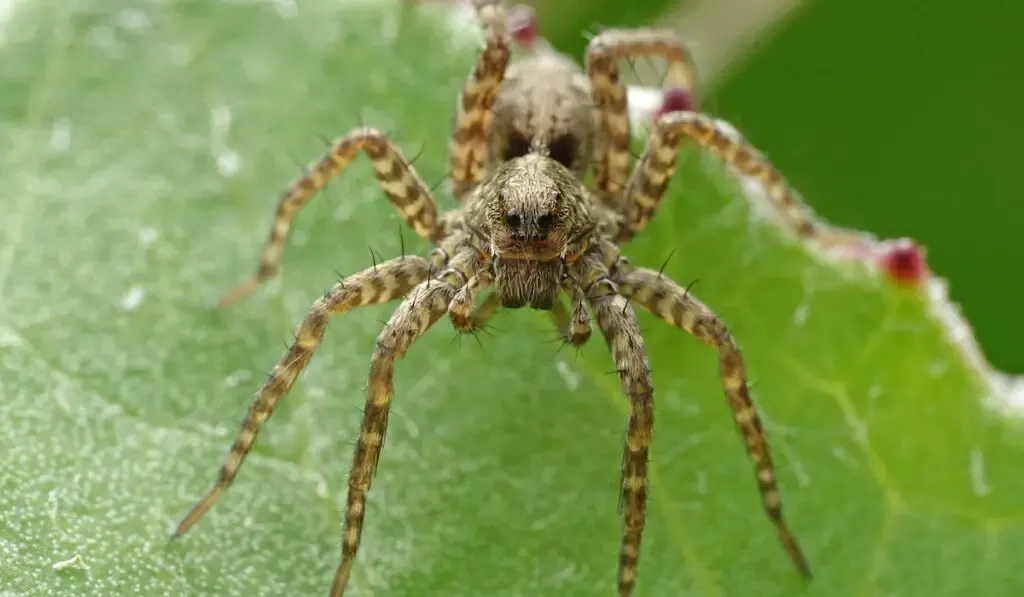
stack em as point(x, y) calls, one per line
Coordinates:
point(521, 283)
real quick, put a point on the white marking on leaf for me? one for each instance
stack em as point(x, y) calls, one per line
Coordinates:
point(463, 25)
point(148, 236)
point(321, 488)
point(132, 299)
point(6, 12)
point(572, 380)
point(799, 471)
point(54, 505)
point(9, 339)
point(102, 37)
point(213, 430)
point(842, 456)
point(132, 20)
point(287, 9)
point(236, 378)
point(60, 136)
point(76, 562)
point(800, 314)
point(937, 368)
point(229, 161)
point(860, 430)
point(977, 469)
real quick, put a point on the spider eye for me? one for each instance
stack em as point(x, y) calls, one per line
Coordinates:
point(563, 150)
point(513, 220)
point(545, 221)
point(518, 145)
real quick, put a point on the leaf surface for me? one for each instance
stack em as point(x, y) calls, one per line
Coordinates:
point(145, 145)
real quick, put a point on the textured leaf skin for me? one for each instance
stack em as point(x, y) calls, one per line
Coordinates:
point(124, 218)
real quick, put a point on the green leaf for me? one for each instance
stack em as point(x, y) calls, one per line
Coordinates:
point(144, 147)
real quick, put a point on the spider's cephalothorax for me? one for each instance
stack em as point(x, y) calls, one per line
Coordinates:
point(534, 215)
point(529, 231)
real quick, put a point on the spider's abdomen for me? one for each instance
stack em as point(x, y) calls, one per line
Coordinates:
point(522, 283)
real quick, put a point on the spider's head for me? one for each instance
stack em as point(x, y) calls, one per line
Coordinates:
point(534, 207)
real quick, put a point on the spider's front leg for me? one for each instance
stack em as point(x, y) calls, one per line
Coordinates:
point(667, 300)
point(611, 153)
point(467, 147)
point(396, 175)
point(466, 316)
point(413, 317)
point(658, 162)
point(618, 324)
point(573, 325)
point(384, 282)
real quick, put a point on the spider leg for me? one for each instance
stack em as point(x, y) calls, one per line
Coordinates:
point(403, 186)
point(483, 312)
point(462, 311)
point(664, 298)
point(413, 317)
point(618, 324)
point(384, 282)
point(561, 317)
point(611, 152)
point(658, 162)
point(468, 144)
point(573, 326)
point(579, 329)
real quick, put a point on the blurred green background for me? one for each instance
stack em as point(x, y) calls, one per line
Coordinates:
point(899, 118)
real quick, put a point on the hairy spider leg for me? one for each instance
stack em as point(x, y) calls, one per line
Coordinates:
point(611, 150)
point(394, 172)
point(658, 162)
point(573, 324)
point(464, 313)
point(618, 324)
point(381, 283)
point(467, 148)
point(413, 317)
point(662, 297)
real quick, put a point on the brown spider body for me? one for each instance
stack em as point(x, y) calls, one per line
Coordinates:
point(529, 230)
point(534, 212)
point(534, 215)
point(543, 107)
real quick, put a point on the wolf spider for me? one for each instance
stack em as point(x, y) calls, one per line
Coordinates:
point(526, 134)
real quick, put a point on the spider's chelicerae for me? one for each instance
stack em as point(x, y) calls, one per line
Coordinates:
point(528, 230)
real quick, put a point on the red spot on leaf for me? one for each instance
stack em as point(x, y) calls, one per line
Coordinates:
point(903, 261)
